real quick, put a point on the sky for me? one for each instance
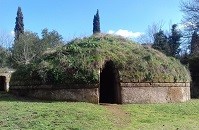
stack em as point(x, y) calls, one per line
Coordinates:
point(74, 18)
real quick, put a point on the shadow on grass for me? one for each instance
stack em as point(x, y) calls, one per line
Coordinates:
point(4, 96)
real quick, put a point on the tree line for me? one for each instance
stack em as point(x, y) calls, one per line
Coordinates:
point(29, 47)
point(170, 45)
point(181, 44)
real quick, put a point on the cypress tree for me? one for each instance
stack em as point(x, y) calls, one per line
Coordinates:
point(174, 41)
point(19, 26)
point(96, 23)
point(194, 43)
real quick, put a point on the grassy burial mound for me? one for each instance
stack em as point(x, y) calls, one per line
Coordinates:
point(80, 62)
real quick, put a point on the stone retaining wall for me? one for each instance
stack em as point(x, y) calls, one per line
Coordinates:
point(130, 92)
point(49, 92)
point(155, 92)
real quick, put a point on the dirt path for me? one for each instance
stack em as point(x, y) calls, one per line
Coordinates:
point(121, 118)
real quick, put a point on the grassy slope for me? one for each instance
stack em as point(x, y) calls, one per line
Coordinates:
point(23, 114)
point(135, 62)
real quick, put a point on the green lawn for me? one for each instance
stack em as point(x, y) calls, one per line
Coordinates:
point(172, 116)
point(17, 113)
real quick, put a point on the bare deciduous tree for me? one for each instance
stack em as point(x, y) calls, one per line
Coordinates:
point(6, 40)
point(191, 10)
point(26, 48)
point(148, 37)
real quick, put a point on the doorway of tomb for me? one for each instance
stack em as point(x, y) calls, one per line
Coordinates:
point(110, 91)
point(2, 83)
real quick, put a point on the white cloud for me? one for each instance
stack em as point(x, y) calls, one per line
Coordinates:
point(12, 33)
point(185, 25)
point(126, 33)
point(111, 32)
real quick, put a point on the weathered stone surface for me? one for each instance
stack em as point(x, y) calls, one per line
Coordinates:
point(65, 86)
point(130, 92)
point(80, 95)
point(156, 93)
point(155, 84)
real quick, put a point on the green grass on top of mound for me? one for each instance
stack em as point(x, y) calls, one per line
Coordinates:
point(81, 59)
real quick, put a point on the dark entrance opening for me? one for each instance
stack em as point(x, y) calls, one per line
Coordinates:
point(109, 84)
point(2, 83)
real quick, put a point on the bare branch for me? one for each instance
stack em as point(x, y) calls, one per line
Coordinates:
point(148, 37)
point(191, 13)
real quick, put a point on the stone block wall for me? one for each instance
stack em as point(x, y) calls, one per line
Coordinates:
point(49, 92)
point(155, 92)
point(130, 92)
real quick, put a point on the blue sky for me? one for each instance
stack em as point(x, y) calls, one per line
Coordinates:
point(73, 18)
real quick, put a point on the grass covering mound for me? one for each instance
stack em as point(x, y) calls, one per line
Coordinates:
point(80, 60)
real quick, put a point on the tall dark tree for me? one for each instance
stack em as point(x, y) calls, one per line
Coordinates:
point(174, 41)
point(161, 42)
point(194, 43)
point(96, 23)
point(19, 25)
